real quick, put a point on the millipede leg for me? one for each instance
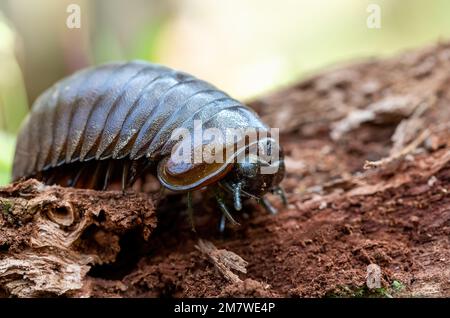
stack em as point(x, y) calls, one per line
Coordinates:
point(282, 194)
point(225, 211)
point(222, 223)
point(267, 206)
point(133, 172)
point(125, 171)
point(107, 175)
point(74, 181)
point(93, 184)
point(69, 181)
point(237, 197)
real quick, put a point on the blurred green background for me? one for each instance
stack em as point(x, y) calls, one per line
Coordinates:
point(245, 47)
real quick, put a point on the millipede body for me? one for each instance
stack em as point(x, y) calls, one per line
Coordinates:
point(114, 122)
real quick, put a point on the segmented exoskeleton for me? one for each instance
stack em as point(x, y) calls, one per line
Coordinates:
point(115, 121)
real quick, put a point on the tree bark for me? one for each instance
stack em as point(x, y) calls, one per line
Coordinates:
point(368, 183)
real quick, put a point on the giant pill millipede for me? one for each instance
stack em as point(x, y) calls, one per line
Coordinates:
point(114, 122)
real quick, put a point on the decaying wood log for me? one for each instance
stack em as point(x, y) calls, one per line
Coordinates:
point(368, 180)
point(51, 237)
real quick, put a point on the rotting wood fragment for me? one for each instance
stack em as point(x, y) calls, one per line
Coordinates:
point(223, 260)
